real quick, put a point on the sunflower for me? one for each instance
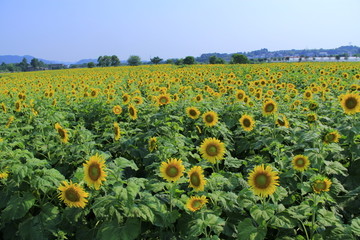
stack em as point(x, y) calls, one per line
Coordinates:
point(152, 144)
point(282, 121)
point(72, 194)
point(212, 150)
point(247, 122)
point(163, 99)
point(308, 94)
point(269, 107)
point(331, 137)
point(172, 170)
point(350, 103)
point(311, 117)
point(94, 171)
point(300, 162)
point(196, 178)
point(62, 133)
point(132, 112)
point(196, 203)
point(116, 131)
point(192, 112)
point(138, 100)
point(210, 118)
point(4, 174)
point(10, 120)
point(126, 98)
point(18, 106)
point(263, 181)
point(240, 95)
point(321, 184)
point(117, 109)
point(3, 107)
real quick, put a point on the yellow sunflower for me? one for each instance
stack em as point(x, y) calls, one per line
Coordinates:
point(152, 144)
point(269, 107)
point(172, 170)
point(308, 94)
point(210, 118)
point(240, 95)
point(132, 112)
point(311, 117)
point(263, 181)
point(300, 162)
point(331, 137)
point(62, 133)
point(282, 121)
point(116, 131)
point(212, 150)
point(138, 100)
point(18, 106)
point(247, 122)
point(350, 103)
point(94, 171)
point(192, 112)
point(72, 194)
point(10, 120)
point(321, 184)
point(126, 98)
point(3, 107)
point(196, 203)
point(4, 174)
point(117, 109)
point(196, 178)
point(163, 99)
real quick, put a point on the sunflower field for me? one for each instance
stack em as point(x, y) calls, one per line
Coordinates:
point(268, 151)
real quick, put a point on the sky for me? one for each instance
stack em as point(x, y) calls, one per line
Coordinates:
point(70, 30)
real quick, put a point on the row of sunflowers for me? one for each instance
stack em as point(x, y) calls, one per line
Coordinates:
point(269, 151)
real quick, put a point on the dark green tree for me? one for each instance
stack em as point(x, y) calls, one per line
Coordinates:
point(179, 61)
point(35, 63)
point(239, 59)
point(91, 65)
point(189, 60)
point(156, 60)
point(216, 60)
point(115, 61)
point(23, 65)
point(100, 61)
point(169, 61)
point(134, 60)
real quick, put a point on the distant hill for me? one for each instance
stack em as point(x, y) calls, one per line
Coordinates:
point(82, 61)
point(17, 59)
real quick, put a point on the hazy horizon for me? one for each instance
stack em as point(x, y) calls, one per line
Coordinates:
point(73, 30)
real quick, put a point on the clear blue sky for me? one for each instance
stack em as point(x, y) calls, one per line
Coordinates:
point(70, 30)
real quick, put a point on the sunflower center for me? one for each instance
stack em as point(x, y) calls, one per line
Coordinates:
point(320, 186)
point(269, 107)
point(192, 112)
point(195, 179)
point(351, 103)
point(240, 96)
point(262, 181)
point(61, 132)
point(209, 118)
point(116, 130)
point(330, 137)
point(131, 111)
point(172, 171)
point(196, 204)
point(300, 162)
point(211, 150)
point(163, 100)
point(281, 122)
point(94, 172)
point(125, 98)
point(72, 195)
point(247, 122)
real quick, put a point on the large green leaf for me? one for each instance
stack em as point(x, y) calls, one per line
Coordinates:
point(18, 206)
point(247, 231)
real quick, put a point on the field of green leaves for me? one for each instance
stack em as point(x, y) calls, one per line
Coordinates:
point(269, 151)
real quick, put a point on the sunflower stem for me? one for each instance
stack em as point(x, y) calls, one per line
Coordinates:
point(304, 228)
point(313, 223)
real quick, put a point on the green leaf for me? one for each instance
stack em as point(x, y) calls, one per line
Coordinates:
point(327, 218)
point(355, 226)
point(112, 230)
point(124, 163)
point(282, 221)
point(334, 167)
point(262, 213)
point(18, 206)
point(247, 231)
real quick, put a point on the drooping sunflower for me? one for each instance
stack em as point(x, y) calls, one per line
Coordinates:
point(269, 107)
point(4, 174)
point(247, 122)
point(117, 109)
point(192, 112)
point(300, 162)
point(10, 120)
point(116, 131)
point(196, 178)
point(3, 107)
point(126, 98)
point(196, 203)
point(94, 171)
point(18, 106)
point(263, 181)
point(321, 184)
point(311, 117)
point(282, 121)
point(64, 137)
point(132, 112)
point(72, 194)
point(172, 170)
point(331, 137)
point(350, 103)
point(210, 118)
point(152, 144)
point(163, 99)
point(212, 150)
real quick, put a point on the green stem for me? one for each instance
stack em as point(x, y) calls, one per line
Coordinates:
point(313, 224)
point(306, 233)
